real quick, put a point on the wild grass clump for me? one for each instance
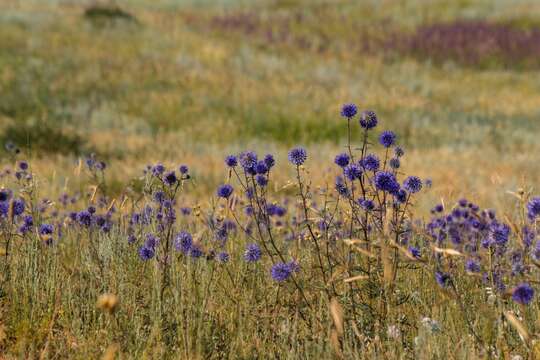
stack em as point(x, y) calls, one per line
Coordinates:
point(347, 269)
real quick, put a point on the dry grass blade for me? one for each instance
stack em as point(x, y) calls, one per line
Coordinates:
point(520, 328)
point(337, 315)
point(355, 278)
point(388, 271)
point(336, 344)
point(447, 251)
point(110, 353)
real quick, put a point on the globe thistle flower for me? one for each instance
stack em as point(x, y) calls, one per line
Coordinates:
point(348, 111)
point(269, 161)
point(412, 184)
point(297, 156)
point(23, 165)
point(170, 178)
point(533, 208)
point(438, 208)
point(523, 294)
point(195, 251)
point(225, 191)
point(386, 181)
point(368, 120)
point(443, 279)
point(367, 204)
point(280, 211)
point(370, 162)
point(394, 163)
point(84, 218)
point(248, 159)
point(387, 138)
point(17, 207)
point(223, 257)
point(231, 161)
point(252, 253)
point(151, 241)
point(183, 169)
point(499, 233)
point(146, 253)
point(28, 222)
point(472, 266)
point(463, 202)
point(398, 151)
point(46, 229)
point(341, 187)
point(158, 169)
point(261, 168)
point(183, 242)
point(401, 196)
point(280, 272)
point(131, 239)
point(353, 172)
point(342, 160)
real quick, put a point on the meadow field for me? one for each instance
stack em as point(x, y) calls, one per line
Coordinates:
point(121, 237)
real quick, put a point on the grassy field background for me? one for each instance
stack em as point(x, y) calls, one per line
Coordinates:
point(189, 81)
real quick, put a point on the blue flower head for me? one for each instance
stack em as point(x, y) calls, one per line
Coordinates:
point(297, 156)
point(231, 161)
point(252, 253)
point(387, 138)
point(349, 110)
point(368, 120)
point(412, 184)
point(523, 294)
point(225, 191)
point(353, 172)
point(342, 160)
point(370, 162)
point(280, 272)
point(386, 181)
point(183, 242)
point(533, 208)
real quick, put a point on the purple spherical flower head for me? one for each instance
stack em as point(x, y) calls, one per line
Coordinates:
point(394, 163)
point(398, 151)
point(225, 191)
point(533, 208)
point(252, 253)
point(280, 272)
point(84, 218)
point(195, 251)
point(387, 138)
point(23, 165)
point(261, 180)
point(352, 172)
point(412, 184)
point(341, 187)
point(386, 181)
point(342, 159)
point(231, 161)
point(248, 159)
point(472, 266)
point(368, 120)
point(223, 257)
point(348, 111)
point(443, 279)
point(170, 178)
point(297, 156)
point(261, 167)
point(183, 169)
point(523, 294)
point(183, 242)
point(370, 162)
point(146, 253)
point(158, 169)
point(367, 204)
point(17, 207)
point(401, 196)
point(269, 161)
point(46, 229)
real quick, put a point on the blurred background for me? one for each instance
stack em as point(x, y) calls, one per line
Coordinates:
point(189, 81)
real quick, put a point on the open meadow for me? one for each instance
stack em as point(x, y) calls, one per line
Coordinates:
point(286, 179)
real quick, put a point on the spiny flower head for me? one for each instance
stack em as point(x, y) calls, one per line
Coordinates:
point(342, 160)
point(533, 208)
point(145, 253)
point(353, 172)
point(231, 161)
point(443, 279)
point(371, 162)
point(170, 178)
point(297, 156)
point(183, 242)
point(387, 138)
point(386, 181)
point(252, 253)
point(523, 294)
point(183, 169)
point(349, 110)
point(368, 120)
point(225, 191)
point(223, 257)
point(394, 163)
point(261, 180)
point(261, 167)
point(269, 161)
point(248, 159)
point(280, 272)
point(398, 151)
point(412, 184)
point(366, 204)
